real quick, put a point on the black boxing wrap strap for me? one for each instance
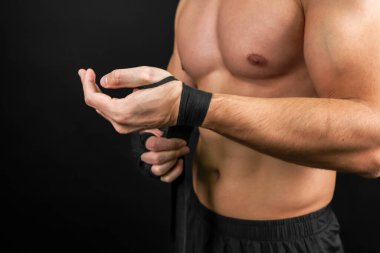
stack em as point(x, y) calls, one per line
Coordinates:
point(159, 83)
point(193, 106)
point(193, 109)
point(138, 142)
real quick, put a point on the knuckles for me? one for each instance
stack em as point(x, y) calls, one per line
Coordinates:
point(151, 158)
point(157, 171)
point(118, 118)
point(168, 179)
point(152, 144)
point(156, 158)
point(148, 74)
point(88, 100)
point(120, 129)
point(118, 112)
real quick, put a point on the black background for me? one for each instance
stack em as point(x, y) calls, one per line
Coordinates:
point(67, 179)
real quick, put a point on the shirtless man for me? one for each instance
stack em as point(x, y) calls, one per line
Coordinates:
point(295, 87)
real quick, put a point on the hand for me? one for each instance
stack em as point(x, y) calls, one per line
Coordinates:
point(163, 155)
point(143, 109)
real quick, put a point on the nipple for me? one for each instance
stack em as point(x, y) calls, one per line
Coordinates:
point(257, 60)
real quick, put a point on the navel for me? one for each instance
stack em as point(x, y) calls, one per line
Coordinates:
point(257, 60)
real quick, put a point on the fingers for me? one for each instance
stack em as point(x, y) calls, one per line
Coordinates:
point(157, 144)
point(162, 169)
point(88, 81)
point(133, 77)
point(92, 94)
point(156, 158)
point(81, 74)
point(174, 173)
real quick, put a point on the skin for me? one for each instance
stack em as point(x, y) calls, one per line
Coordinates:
point(295, 87)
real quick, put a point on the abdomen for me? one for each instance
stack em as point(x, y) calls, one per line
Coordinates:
point(236, 181)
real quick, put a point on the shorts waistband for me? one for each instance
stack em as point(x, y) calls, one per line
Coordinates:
point(261, 230)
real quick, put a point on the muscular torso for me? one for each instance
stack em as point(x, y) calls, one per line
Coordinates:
point(249, 48)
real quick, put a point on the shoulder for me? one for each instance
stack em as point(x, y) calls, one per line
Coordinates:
point(341, 39)
point(342, 6)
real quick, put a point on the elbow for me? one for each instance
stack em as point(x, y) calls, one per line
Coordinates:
point(373, 174)
point(372, 169)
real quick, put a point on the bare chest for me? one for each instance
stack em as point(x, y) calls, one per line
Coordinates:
point(254, 39)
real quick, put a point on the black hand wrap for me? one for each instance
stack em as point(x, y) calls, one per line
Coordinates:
point(159, 83)
point(193, 106)
point(193, 109)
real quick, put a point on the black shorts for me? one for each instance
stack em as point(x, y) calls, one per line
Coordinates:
point(210, 232)
point(196, 229)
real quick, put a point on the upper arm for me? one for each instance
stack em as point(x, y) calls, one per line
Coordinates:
point(175, 65)
point(342, 48)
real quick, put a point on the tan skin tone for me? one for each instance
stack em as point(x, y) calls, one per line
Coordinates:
point(295, 87)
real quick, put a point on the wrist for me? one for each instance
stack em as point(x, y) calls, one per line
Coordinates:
point(212, 114)
point(193, 107)
point(177, 91)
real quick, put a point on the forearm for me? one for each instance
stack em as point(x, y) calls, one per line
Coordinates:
point(325, 133)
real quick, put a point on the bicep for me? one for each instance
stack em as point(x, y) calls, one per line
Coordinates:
point(342, 49)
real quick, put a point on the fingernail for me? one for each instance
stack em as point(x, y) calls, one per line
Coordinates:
point(103, 81)
point(87, 75)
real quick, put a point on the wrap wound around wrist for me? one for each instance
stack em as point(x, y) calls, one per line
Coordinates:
point(193, 108)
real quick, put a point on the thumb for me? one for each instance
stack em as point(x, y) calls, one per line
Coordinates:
point(133, 77)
